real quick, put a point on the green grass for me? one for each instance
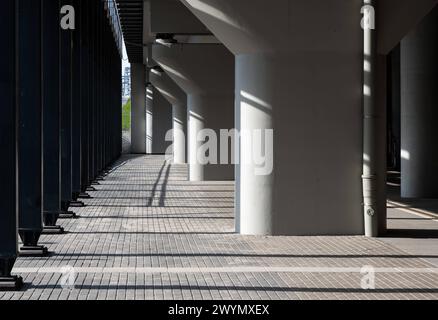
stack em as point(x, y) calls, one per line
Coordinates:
point(126, 116)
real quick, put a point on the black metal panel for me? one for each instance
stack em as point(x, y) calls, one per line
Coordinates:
point(76, 104)
point(92, 85)
point(85, 91)
point(100, 93)
point(30, 121)
point(66, 114)
point(51, 113)
point(8, 174)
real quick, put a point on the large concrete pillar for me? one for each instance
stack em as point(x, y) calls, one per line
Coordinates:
point(394, 108)
point(178, 99)
point(8, 145)
point(162, 118)
point(138, 108)
point(205, 73)
point(179, 127)
point(298, 73)
point(419, 110)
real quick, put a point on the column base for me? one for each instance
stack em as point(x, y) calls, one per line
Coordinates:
point(53, 230)
point(100, 178)
point(77, 204)
point(68, 215)
point(33, 251)
point(30, 237)
point(12, 283)
point(95, 183)
point(50, 217)
point(65, 205)
point(75, 195)
point(85, 195)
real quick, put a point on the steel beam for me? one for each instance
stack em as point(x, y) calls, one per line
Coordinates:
point(51, 114)
point(66, 115)
point(8, 145)
point(76, 105)
point(30, 139)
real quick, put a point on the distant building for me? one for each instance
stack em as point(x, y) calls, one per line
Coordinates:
point(126, 84)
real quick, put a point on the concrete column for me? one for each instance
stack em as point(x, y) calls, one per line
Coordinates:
point(178, 99)
point(162, 123)
point(210, 103)
point(150, 101)
point(300, 78)
point(8, 145)
point(195, 123)
point(179, 126)
point(202, 113)
point(138, 108)
point(30, 109)
point(394, 105)
point(419, 111)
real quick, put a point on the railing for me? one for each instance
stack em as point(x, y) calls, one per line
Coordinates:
point(114, 18)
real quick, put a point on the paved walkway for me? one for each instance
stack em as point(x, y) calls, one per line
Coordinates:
point(412, 223)
point(150, 234)
point(126, 142)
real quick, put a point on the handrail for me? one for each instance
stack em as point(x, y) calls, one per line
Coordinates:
point(114, 18)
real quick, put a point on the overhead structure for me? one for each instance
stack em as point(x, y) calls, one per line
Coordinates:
point(131, 19)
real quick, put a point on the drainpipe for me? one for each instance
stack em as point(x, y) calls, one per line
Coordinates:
point(370, 124)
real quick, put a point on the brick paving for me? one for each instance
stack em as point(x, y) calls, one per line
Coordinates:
point(149, 234)
point(126, 142)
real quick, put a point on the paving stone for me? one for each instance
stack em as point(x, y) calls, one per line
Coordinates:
point(149, 234)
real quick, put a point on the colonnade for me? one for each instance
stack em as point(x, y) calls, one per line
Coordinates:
point(60, 90)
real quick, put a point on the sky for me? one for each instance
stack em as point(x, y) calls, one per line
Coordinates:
point(125, 62)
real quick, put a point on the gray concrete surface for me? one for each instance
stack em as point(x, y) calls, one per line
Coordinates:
point(148, 233)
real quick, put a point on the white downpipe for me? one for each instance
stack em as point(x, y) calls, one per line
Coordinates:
point(370, 145)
